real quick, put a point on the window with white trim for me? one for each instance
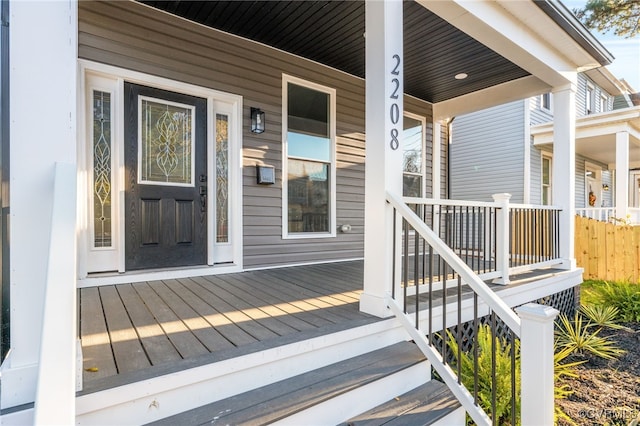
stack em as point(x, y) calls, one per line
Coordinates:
point(309, 159)
point(413, 162)
point(545, 101)
point(590, 99)
point(603, 103)
point(546, 180)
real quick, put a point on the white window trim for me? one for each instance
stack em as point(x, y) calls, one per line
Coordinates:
point(546, 156)
point(113, 79)
point(589, 100)
point(423, 171)
point(542, 107)
point(604, 102)
point(286, 79)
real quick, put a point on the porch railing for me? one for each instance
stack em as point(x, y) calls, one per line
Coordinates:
point(56, 386)
point(436, 316)
point(495, 239)
point(603, 214)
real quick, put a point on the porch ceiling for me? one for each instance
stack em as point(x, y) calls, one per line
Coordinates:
point(332, 33)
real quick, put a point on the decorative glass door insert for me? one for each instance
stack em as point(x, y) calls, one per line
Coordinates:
point(101, 133)
point(222, 178)
point(166, 143)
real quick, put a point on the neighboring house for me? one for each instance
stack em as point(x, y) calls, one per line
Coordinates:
point(508, 148)
point(203, 205)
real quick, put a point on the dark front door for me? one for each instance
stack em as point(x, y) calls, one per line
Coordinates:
point(166, 182)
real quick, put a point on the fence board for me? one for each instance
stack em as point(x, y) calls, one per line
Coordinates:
point(607, 251)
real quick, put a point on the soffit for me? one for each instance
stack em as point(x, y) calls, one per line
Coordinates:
point(332, 33)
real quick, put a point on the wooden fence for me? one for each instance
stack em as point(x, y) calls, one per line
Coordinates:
point(607, 251)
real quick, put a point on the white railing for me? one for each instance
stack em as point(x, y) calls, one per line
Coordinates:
point(608, 214)
point(495, 239)
point(56, 386)
point(603, 214)
point(535, 328)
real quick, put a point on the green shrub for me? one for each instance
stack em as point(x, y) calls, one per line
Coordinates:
point(503, 374)
point(624, 296)
point(602, 316)
point(580, 337)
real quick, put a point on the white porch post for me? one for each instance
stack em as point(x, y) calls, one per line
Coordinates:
point(43, 88)
point(435, 161)
point(502, 238)
point(622, 174)
point(564, 167)
point(536, 357)
point(383, 163)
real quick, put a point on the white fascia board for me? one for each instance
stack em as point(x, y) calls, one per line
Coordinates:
point(514, 90)
point(607, 123)
point(522, 33)
point(607, 81)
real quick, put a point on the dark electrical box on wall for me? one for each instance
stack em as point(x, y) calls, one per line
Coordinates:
point(266, 175)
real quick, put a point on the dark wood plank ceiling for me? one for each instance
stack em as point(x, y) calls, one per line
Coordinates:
point(332, 33)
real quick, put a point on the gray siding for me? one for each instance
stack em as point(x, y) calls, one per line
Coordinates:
point(537, 114)
point(487, 153)
point(581, 96)
point(133, 36)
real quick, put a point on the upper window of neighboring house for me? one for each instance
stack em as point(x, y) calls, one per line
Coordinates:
point(603, 103)
point(413, 157)
point(546, 180)
point(545, 101)
point(589, 100)
point(309, 158)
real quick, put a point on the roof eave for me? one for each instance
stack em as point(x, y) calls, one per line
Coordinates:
point(576, 30)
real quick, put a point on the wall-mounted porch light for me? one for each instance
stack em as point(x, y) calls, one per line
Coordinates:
point(257, 120)
point(605, 187)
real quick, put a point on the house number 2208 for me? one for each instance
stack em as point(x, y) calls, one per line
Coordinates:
point(394, 111)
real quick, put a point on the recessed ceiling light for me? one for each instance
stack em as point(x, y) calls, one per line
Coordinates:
point(461, 76)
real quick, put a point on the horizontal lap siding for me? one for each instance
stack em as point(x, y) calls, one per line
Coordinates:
point(487, 153)
point(133, 36)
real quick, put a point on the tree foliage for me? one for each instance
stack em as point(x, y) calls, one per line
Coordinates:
point(620, 16)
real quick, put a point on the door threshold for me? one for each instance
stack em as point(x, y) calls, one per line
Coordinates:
point(111, 278)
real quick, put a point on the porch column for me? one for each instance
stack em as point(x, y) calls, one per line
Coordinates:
point(383, 161)
point(564, 167)
point(622, 174)
point(43, 89)
point(436, 182)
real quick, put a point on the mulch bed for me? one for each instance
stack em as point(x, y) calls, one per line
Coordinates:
point(607, 392)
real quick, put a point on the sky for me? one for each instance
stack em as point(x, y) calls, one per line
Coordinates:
point(626, 64)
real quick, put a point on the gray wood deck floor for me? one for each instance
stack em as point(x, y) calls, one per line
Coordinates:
point(133, 331)
point(130, 327)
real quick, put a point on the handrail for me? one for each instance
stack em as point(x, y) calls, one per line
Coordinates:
point(464, 203)
point(55, 393)
point(496, 304)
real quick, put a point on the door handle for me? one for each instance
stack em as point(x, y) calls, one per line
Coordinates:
point(203, 199)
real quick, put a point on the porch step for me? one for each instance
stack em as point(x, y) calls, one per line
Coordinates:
point(325, 396)
point(425, 405)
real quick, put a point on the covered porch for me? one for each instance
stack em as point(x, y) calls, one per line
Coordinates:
point(611, 140)
point(281, 324)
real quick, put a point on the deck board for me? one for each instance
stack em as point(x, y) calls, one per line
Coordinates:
point(127, 349)
point(244, 321)
point(98, 359)
point(156, 344)
point(171, 324)
point(185, 343)
point(273, 315)
point(205, 304)
point(133, 326)
point(283, 302)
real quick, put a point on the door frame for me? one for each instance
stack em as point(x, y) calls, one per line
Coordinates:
point(111, 79)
